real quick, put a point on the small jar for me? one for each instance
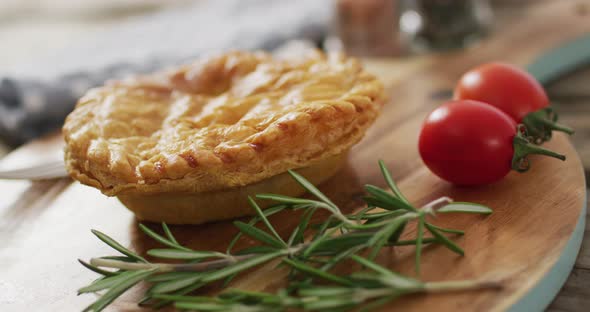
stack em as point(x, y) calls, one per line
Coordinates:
point(368, 27)
point(434, 25)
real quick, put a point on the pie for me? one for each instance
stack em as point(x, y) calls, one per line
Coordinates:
point(187, 145)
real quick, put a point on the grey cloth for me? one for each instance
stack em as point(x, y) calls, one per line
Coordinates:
point(33, 106)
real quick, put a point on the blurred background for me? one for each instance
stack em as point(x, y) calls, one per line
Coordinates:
point(33, 28)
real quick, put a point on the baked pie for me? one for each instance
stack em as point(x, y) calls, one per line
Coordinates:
point(188, 145)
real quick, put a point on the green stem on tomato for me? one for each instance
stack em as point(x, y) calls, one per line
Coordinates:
point(523, 147)
point(541, 123)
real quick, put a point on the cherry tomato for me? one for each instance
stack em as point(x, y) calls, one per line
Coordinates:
point(504, 86)
point(471, 143)
point(513, 91)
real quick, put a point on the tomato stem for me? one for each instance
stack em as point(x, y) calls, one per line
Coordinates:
point(541, 123)
point(523, 147)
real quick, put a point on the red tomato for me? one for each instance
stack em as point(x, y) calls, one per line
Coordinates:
point(516, 93)
point(472, 143)
point(509, 88)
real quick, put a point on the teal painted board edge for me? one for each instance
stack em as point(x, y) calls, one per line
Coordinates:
point(538, 298)
point(561, 60)
point(547, 68)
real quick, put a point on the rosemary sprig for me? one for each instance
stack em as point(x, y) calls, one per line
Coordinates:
point(378, 286)
point(313, 286)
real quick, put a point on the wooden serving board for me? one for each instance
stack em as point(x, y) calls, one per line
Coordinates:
point(532, 237)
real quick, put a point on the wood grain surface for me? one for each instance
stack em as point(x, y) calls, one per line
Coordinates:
point(44, 226)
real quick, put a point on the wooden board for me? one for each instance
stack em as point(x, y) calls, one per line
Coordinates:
point(44, 226)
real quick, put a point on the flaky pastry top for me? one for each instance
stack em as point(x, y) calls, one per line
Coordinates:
point(224, 121)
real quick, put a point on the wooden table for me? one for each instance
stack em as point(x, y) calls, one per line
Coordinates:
point(406, 79)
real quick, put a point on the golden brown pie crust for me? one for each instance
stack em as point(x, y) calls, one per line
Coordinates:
point(197, 208)
point(223, 122)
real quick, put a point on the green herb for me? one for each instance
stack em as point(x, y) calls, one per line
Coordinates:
point(310, 252)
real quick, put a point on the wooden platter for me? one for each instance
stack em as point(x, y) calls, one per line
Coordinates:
point(532, 237)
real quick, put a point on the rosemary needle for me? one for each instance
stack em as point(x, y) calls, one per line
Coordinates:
point(340, 237)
